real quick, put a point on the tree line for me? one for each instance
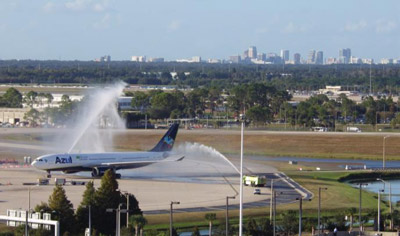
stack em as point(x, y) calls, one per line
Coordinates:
point(385, 78)
point(261, 103)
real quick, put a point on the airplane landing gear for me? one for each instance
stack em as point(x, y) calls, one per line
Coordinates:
point(48, 174)
point(118, 176)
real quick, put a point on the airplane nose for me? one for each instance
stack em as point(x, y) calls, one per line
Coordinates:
point(34, 163)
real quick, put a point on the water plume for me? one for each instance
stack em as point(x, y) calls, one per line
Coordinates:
point(201, 151)
point(91, 130)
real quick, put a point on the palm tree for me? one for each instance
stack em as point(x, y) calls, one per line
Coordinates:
point(352, 211)
point(139, 222)
point(210, 217)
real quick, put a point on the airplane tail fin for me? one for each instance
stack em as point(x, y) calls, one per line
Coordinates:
point(167, 141)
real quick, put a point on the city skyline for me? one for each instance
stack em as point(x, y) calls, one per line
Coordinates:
point(86, 29)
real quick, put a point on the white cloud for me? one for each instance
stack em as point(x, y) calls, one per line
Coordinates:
point(49, 7)
point(78, 5)
point(385, 26)
point(174, 25)
point(355, 26)
point(101, 5)
point(293, 28)
point(82, 5)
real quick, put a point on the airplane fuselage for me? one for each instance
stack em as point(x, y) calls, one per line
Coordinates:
point(98, 163)
point(73, 162)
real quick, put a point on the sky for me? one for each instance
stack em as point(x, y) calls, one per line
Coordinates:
point(175, 29)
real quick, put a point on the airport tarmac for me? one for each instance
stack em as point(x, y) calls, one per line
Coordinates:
point(153, 193)
point(201, 181)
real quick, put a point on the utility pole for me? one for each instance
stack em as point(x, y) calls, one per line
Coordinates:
point(274, 218)
point(171, 217)
point(227, 215)
point(271, 201)
point(300, 214)
point(359, 209)
point(242, 118)
point(379, 210)
point(319, 209)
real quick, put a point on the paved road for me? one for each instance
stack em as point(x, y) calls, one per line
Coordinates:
point(287, 192)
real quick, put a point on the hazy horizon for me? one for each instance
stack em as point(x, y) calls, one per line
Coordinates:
point(88, 29)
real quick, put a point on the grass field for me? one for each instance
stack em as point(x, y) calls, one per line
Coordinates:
point(318, 145)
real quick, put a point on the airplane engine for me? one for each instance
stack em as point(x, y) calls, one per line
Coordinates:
point(98, 171)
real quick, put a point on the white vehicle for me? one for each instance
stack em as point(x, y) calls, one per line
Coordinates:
point(353, 129)
point(98, 163)
point(319, 129)
point(257, 191)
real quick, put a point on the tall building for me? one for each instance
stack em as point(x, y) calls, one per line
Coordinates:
point(355, 60)
point(297, 58)
point(344, 55)
point(156, 59)
point(285, 55)
point(319, 60)
point(245, 55)
point(262, 57)
point(311, 57)
point(196, 59)
point(330, 61)
point(138, 58)
point(253, 52)
point(235, 59)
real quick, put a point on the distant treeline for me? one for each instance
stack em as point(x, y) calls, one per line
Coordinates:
point(385, 78)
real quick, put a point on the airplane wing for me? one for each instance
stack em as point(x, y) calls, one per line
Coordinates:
point(127, 163)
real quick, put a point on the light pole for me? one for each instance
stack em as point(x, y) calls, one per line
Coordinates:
point(170, 216)
point(118, 212)
point(29, 196)
point(319, 209)
point(300, 213)
point(90, 218)
point(359, 209)
point(242, 119)
point(272, 197)
point(379, 209)
point(26, 223)
point(390, 200)
point(227, 215)
point(274, 215)
point(384, 151)
point(270, 202)
point(300, 199)
point(127, 207)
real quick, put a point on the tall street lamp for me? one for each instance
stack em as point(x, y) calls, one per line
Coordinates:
point(384, 152)
point(390, 200)
point(118, 212)
point(90, 217)
point(227, 215)
point(274, 215)
point(170, 216)
point(379, 209)
point(127, 206)
point(242, 119)
point(272, 197)
point(29, 196)
point(359, 209)
point(319, 209)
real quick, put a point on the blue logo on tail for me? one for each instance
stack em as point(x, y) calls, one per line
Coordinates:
point(169, 141)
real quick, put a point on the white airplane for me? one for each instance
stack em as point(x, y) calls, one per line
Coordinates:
point(98, 163)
